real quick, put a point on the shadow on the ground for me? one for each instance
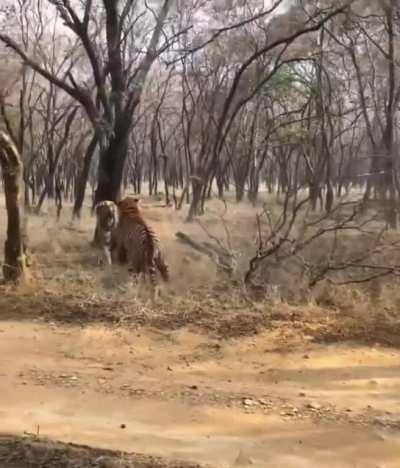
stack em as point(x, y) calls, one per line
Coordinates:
point(32, 452)
point(218, 311)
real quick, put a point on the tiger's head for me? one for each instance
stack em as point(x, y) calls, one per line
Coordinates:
point(129, 206)
point(106, 214)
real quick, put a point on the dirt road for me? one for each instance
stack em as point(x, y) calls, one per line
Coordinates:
point(187, 396)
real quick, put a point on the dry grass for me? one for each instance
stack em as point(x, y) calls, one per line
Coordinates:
point(69, 286)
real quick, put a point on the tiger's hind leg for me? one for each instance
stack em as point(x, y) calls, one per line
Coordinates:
point(161, 265)
point(135, 275)
point(152, 274)
point(104, 257)
point(134, 268)
point(107, 256)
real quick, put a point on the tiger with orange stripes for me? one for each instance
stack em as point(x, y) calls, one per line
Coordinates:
point(135, 243)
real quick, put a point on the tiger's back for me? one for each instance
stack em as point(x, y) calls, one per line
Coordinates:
point(139, 242)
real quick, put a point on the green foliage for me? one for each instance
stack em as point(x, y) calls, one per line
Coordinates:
point(282, 80)
point(286, 83)
point(294, 133)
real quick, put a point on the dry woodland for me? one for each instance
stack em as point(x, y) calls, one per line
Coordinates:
point(261, 139)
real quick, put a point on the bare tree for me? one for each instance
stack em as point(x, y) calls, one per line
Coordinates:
point(117, 76)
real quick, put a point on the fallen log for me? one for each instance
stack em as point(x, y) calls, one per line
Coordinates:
point(223, 260)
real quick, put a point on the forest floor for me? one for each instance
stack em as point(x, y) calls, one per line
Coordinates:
point(93, 375)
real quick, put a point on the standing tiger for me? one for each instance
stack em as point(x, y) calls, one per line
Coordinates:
point(137, 242)
point(106, 220)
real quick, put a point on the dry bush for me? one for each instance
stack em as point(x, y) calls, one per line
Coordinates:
point(298, 249)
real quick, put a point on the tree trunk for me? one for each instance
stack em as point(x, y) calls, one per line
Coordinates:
point(239, 192)
point(166, 180)
point(48, 188)
point(329, 197)
point(111, 167)
point(315, 194)
point(14, 267)
point(27, 201)
point(83, 178)
point(220, 187)
point(32, 185)
point(195, 205)
point(59, 189)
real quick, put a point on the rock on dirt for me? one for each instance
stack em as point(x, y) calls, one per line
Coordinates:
point(249, 402)
point(314, 405)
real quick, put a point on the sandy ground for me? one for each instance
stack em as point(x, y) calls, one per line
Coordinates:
point(206, 379)
point(180, 396)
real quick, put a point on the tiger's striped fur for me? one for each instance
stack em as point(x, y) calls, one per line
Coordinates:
point(106, 220)
point(139, 242)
